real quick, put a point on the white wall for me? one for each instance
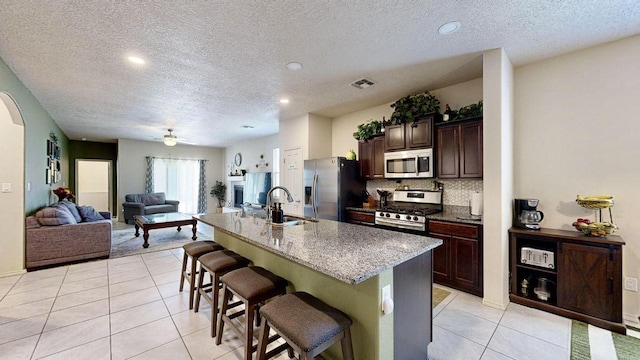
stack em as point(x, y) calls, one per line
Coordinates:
point(320, 135)
point(498, 175)
point(251, 150)
point(12, 213)
point(294, 133)
point(343, 127)
point(132, 165)
point(577, 132)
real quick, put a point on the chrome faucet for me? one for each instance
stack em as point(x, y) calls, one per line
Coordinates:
point(268, 205)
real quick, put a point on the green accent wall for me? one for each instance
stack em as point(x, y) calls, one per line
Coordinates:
point(38, 125)
point(89, 150)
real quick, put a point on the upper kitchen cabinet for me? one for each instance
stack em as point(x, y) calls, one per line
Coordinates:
point(459, 150)
point(371, 154)
point(418, 135)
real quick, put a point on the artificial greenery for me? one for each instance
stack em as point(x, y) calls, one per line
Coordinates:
point(467, 112)
point(409, 108)
point(220, 192)
point(368, 130)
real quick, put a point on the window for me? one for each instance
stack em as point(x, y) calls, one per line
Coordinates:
point(275, 178)
point(179, 180)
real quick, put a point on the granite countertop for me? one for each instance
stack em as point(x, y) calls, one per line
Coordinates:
point(347, 252)
point(450, 213)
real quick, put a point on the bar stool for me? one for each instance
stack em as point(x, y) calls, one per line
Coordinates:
point(194, 250)
point(216, 263)
point(253, 285)
point(307, 324)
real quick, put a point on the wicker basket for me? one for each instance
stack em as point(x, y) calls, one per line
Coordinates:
point(596, 204)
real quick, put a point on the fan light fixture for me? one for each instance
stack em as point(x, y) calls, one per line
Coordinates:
point(170, 140)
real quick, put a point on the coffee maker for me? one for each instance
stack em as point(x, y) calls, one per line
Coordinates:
point(525, 214)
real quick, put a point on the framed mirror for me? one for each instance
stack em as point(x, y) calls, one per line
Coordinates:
point(238, 159)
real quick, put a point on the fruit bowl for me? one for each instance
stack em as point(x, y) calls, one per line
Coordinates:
point(597, 228)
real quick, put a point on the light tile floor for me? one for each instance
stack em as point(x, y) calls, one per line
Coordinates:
point(130, 308)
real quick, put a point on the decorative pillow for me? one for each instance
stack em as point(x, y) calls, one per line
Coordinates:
point(89, 214)
point(72, 209)
point(154, 199)
point(55, 215)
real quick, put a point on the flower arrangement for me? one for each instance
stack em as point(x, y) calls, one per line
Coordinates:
point(64, 192)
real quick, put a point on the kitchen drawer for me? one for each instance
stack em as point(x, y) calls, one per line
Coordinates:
point(357, 217)
point(455, 229)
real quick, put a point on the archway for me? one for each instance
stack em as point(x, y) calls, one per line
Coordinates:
point(12, 194)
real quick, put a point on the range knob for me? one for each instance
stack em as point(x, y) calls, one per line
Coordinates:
point(415, 218)
point(387, 215)
point(381, 214)
point(408, 217)
point(397, 216)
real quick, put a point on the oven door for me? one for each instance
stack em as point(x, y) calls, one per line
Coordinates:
point(406, 227)
point(408, 164)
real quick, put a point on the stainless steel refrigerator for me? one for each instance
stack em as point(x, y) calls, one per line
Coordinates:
point(330, 185)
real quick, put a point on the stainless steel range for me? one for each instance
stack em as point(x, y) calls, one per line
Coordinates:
point(409, 210)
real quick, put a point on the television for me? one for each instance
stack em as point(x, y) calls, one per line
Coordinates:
point(256, 187)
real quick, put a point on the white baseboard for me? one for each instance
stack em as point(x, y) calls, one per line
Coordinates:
point(631, 319)
point(13, 273)
point(495, 305)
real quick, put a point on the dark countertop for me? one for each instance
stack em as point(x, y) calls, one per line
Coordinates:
point(450, 213)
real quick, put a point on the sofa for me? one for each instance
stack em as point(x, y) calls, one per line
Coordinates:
point(146, 204)
point(57, 239)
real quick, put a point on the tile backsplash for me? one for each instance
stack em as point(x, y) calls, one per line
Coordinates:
point(456, 192)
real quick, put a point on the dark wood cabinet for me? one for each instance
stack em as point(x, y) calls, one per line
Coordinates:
point(459, 150)
point(586, 281)
point(371, 153)
point(394, 139)
point(407, 136)
point(361, 217)
point(458, 262)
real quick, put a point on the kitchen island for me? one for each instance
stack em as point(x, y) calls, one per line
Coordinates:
point(347, 266)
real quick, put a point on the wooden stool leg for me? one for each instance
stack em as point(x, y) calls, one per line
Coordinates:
point(249, 316)
point(215, 291)
point(347, 346)
point(263, 340)
point(184, 268)
point(196, 307)
point(223, 312)
point(192, 283)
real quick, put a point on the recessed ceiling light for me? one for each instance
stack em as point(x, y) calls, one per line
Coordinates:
point(284, 101)
point(136, 60)
point(84, 139)
point(449, 27)
point(294, 66)
point(247, 127)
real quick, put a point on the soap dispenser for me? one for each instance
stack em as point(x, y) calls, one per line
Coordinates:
point(277, 215)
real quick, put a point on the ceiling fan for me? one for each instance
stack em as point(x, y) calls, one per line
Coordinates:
point(172, 140)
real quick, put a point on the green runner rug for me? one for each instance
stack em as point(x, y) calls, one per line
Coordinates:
point(625, 347)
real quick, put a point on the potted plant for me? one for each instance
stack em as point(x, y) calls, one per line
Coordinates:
point(368, 130)
point(468, 112)
point(409, 108)
point(220, 192)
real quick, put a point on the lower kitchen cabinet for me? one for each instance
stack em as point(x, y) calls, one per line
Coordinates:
point(361, 217)
point(585, 281)
point(457, 263)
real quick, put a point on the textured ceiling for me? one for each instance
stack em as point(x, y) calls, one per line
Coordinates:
point(213, 66)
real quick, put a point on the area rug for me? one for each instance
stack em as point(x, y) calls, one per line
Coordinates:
point(606, 345)
point(438, 296)
point(124, 242)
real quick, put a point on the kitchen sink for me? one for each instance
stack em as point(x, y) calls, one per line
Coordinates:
point(290, 220)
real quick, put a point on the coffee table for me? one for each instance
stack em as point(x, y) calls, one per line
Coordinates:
point(165, 220)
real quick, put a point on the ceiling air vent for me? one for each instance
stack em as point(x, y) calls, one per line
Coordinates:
point(362, 84)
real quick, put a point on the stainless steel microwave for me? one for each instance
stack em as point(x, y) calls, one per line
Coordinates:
point(409, 164)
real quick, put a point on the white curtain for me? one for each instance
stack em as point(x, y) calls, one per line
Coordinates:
point(179, 180)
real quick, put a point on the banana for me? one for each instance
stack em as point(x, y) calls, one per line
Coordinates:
point(579, 197)
point(599, 197)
